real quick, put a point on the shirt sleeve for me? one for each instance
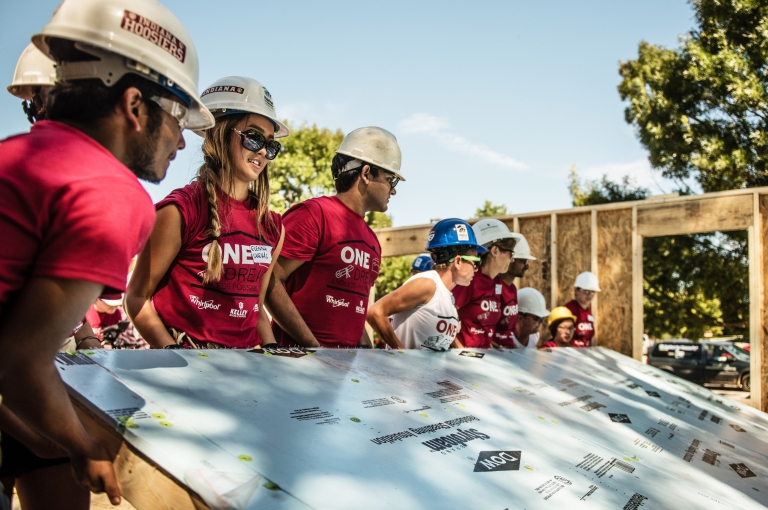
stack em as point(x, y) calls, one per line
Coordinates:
point(302, 232)
point(193, 207)
point(93, 230)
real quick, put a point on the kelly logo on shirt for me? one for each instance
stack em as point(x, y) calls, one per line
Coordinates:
point(240, 313)
point(361, 308)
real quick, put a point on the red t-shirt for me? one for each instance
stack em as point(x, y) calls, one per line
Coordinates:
point(548, 345)
point(341, 257)
point(479, 306)
point(68, 209)
point(99, 320)
point(585, 324)
point(225, 311)
point(506, 325)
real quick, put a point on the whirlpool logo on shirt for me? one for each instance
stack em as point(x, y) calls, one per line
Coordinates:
point(203, 305)
point(336, 302)
point(240, 313)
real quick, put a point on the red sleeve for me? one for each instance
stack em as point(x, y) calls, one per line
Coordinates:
point(302, 232)
point(193, 207)
point(274, 236)
point(573, 306)
point(96, 228)
point(462, 294)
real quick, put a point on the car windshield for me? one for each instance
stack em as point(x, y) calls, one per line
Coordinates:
point(737, 352)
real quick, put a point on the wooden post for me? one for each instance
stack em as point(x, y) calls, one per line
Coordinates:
point(593, 266)
point(637, 289)
point(756, 296)
point(553, 260)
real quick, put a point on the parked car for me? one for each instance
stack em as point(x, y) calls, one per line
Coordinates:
point(705, 363)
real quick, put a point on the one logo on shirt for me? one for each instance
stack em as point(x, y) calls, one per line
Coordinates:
point(361, 308)
point(240, 253)
point(203, 305)
point(447, 328)
point(336, 302)
point(489, 306)
point(510, 310)
point(238, 312)
point(585, 326)
point(498, 461)
point(345, 272)
point(461, 233)
point(356, 256)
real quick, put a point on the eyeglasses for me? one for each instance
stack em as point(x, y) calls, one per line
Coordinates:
point(255, 141)
point(472, 260)
point(176, 110)
point(566, 328)
point(392, 180)
point(536, 319)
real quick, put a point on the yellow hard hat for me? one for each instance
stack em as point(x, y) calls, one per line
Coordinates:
point(559, 313)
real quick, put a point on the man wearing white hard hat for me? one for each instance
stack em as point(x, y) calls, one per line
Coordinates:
point(331, 257)
point(128, 86)
point(585, 287)
point(479, 303)
point(503, 336)
point(532, 313)
point(33, 78)
point(201, 280)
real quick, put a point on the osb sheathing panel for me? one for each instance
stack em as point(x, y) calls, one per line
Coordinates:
point(614, 261)
point(764, 307)
point(538, 233)
point(574, 251)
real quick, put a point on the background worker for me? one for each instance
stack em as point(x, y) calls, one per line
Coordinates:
point(200, 281)
point(532, 313)
point(331, 257)
point(479, 303)
point(422, 309)
point(586, 285)
point(33, 78)
point(561, 327)
point(421, 263)
point(109, 124)
point(509, 309)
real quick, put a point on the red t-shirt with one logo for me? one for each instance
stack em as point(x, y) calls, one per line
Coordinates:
point(585, 324)
point(224, 311)
point(341, 257)
point(506, 325)
point(480, 310)
point(68, 209)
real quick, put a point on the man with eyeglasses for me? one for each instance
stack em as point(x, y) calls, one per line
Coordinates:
point(585, 287)
point(532, 313)
point(69, 196)
point(331, 257)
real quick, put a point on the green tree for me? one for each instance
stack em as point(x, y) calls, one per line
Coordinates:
point(701, 110)
point(489, 210)
point(303, 168)
point(693, 284)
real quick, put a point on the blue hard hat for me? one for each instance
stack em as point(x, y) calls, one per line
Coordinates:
point(422, 263)
point(452, 232)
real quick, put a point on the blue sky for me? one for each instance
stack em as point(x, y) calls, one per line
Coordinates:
point(494, 100)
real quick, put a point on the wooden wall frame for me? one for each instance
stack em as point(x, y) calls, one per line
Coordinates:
point(608, 240)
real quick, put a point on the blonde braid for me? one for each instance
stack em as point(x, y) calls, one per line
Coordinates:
point(213, 271)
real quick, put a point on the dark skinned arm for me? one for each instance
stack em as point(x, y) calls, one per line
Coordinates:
point(30, 383)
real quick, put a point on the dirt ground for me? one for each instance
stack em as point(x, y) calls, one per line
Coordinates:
point(98, 502)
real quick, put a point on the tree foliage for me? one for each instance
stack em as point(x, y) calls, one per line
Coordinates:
point(489, 210)
point(701, 110)
point(693, 284)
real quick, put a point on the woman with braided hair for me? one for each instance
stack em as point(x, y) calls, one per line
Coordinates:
point(200, 281)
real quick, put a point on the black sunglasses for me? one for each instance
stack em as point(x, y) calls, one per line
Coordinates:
point(255, 141)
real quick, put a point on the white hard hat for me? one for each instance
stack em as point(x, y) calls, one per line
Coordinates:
point(32, 70)
point(238, 94)
point(530, 300)
point(372, 145)
point(522, 249)
point(488, 231)
point(128, 36)
point(587, 281)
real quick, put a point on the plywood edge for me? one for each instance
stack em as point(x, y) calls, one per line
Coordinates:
point(145, 485)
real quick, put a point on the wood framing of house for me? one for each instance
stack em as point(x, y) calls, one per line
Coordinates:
point(608, 240)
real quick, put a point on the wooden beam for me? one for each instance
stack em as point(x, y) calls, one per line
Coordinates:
point(637, 290)
point(707, 214)
point(758, 337)
point(593, 266)
point(143, 484)
point(553, 295)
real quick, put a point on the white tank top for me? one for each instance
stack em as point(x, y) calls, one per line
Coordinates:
point(533, 339)
point(433, 325)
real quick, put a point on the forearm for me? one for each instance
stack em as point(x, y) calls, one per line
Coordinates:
point(264, 328)
point(457, 344)
point(286, 315)
point(85, 339)
point(148, 323)
point(381, 325)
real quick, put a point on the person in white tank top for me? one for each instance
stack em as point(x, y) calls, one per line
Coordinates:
point(423, 312)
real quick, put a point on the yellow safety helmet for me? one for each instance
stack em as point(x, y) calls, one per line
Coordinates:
point(560, 313)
